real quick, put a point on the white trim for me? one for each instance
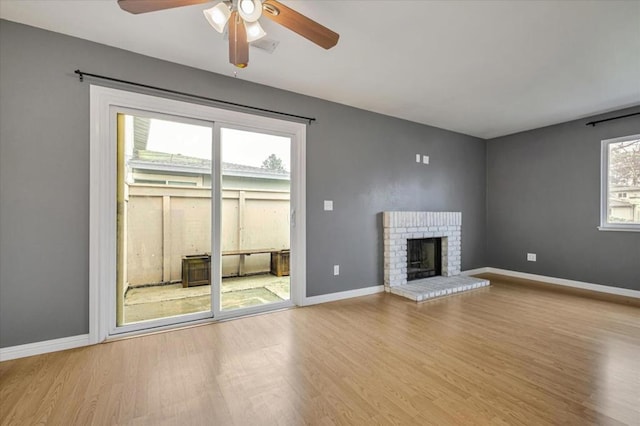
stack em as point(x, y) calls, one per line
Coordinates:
point(332, 297)
point(298, 218)
point(44, 347)
point(100, 162)
point(567, 283)
point(84, 340)
point(619, 227)
point(476, 271)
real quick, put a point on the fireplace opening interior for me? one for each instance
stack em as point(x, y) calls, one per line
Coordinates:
point(424, 258)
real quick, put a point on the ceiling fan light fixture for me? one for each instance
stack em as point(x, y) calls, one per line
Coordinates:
point(250, 10)
point(254, 31)
point(218, 16)
point(247, 6)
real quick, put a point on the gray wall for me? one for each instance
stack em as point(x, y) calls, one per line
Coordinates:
point(363, 161)
point(544, 198)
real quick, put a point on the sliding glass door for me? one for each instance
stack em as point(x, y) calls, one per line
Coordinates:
point(254, 224)
point(204, 220)
point(164, 209)
point(197, 213)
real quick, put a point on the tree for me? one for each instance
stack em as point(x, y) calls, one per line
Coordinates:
point(272, 162)
point(624, 167)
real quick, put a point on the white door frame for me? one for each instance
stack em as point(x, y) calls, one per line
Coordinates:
point(102, 216)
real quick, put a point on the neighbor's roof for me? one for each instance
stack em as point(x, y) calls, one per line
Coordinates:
point(165, 162)
point(619, 202)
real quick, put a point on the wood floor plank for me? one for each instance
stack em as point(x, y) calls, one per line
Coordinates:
point(509, 354)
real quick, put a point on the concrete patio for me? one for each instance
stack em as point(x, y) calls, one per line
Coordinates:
point(145, 303)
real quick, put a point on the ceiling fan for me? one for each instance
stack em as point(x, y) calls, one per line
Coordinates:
point(242, 17)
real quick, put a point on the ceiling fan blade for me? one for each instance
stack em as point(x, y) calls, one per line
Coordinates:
point(238, 46)
point(297, 22)
point(144, 6)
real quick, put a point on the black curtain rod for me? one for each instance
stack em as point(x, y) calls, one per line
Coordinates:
point(82, 74)
point(593, 123)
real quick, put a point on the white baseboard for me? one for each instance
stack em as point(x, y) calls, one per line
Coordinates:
point(560, 281)
point(486, 270)
point(47, 346)
point(38, 348)
point(475, 271)
point(331, 297)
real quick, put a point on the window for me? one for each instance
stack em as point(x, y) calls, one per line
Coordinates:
point(620, 196)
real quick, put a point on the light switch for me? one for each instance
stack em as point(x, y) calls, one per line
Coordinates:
point(336, 269)
point(328, 205)
point(425, 159)
point(417, 158)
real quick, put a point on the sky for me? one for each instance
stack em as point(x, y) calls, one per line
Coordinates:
point(239, 147)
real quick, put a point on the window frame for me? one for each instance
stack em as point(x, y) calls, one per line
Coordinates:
point(605, 225)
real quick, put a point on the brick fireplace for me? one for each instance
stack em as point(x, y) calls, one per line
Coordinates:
point(402, 226)
point(398, 228)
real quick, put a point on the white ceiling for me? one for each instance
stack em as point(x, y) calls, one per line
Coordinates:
point(484, 68)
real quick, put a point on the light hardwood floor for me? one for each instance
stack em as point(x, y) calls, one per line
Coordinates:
point(508, 354)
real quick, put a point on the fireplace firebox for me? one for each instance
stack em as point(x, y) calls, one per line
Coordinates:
point(424, 258)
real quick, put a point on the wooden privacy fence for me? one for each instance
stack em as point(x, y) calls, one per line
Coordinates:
point(164, 224)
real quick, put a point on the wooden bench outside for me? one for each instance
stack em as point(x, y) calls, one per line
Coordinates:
point(248, 252)
point(196, 269)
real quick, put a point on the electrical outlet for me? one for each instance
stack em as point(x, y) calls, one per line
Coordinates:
point(328, 205)
point(425, 159)
point(531, 257)
point(336, 269)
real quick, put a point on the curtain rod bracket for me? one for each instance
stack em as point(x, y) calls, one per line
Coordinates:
point(81, 75)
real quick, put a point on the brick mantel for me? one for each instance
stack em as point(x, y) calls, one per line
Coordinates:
point(401, 226)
